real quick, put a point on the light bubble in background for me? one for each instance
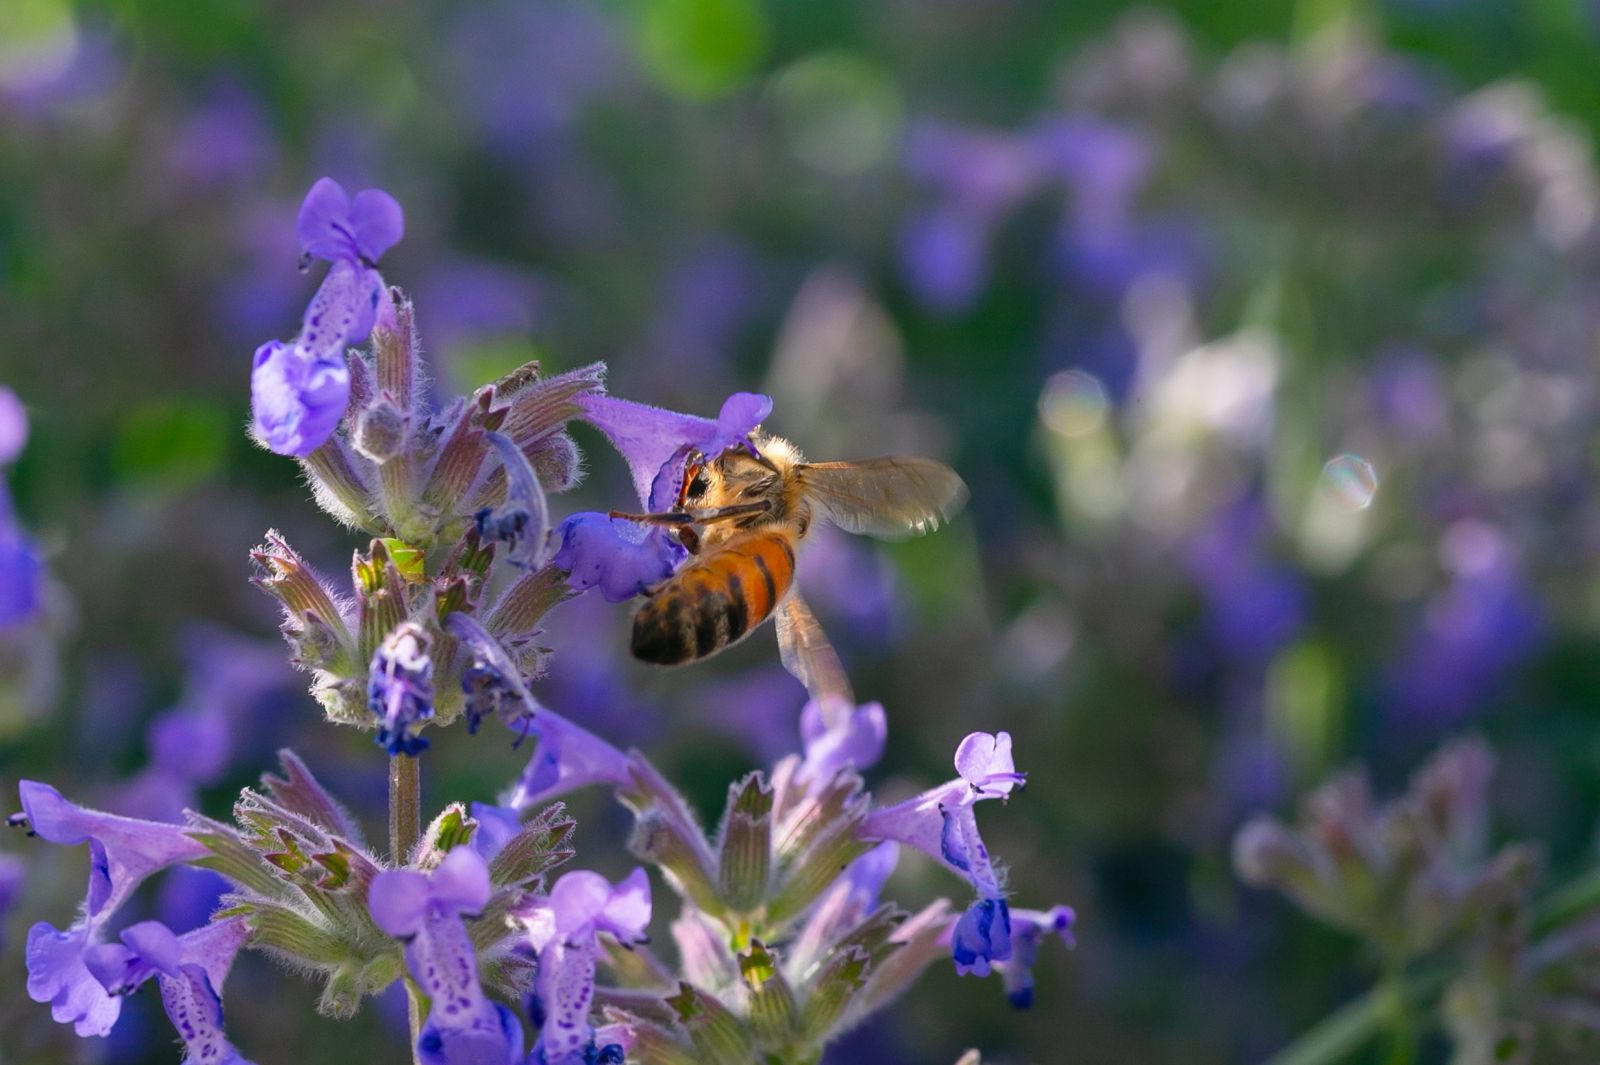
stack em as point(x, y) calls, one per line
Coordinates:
point(841, 113)
point(1073, 403)
point(38, 42)
point(1349, 481)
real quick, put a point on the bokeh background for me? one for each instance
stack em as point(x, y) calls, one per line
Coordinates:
point(1266, 336)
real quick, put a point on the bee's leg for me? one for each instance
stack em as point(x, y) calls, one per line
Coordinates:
point(708, 516)
point(674, 517)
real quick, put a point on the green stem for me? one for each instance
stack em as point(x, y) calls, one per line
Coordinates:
point(405, 827)
point(1395, 994)
point(1353, 1025)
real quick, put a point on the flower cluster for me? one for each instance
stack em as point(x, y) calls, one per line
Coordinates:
point(1415, 879)
point(783, 938)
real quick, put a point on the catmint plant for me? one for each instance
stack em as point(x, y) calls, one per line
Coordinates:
point(1452, 924)
point(781, 936)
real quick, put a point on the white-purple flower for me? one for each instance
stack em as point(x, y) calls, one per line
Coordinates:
point(190, 970)
point(123, 852)
point(522, 522)
point(839, 736)
point(567, 757)
point(400, 689)
point(463, 1027)
point(562, 931)
point(296, 401)
point(940, 823)
point(651, 439)
point(299, 391)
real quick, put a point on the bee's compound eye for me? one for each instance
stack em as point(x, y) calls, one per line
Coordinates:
point(698, 483)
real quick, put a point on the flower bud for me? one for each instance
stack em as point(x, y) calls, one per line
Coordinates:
point(381, 430)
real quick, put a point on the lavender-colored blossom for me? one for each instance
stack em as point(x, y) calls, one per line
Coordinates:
point(191, 743)
point(12, 877)
point(567, 758)
point(463, 1027)
point(522, 522)
point(227, 137)
point(941, 824)
point(340, 228)
point(400, 689)
point(123, 852)
point(650, 439)
point(838, 736)
point(562, 930)
point(624, 558)
point(621, 558)
point(296, 401)
point(497, 826)
point(491, 682)
point(299, 391)
point(13, 426)
point(982, 935)
point(944, 254)
point(1473, 633)
point(21, 570)
point(190, 970)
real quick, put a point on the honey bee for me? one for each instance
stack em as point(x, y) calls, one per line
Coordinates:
point(744, 514)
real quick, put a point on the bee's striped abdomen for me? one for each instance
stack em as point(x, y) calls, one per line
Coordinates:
point(715, 601)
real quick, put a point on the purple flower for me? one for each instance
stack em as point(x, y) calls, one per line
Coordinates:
point(941, 824)
point(1029, 928)
point(299, 391)
point(226, 138)
point(981, 935)
point(13, 426)
point(463, 1027)
point(338, 228)
point(651, 439)
point(21, 571)
point(562, 930)
point(400, 689)
point(12, 872)
point(839, 736)
point(945, 256)
point(567, 758)
point(190, 970)
point(492, 684)
point(190, 744)
point(123, 852)
point(522, 522)
point(497, 826)
point(296, 401)
point(622, 558)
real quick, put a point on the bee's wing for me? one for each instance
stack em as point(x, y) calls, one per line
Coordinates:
point(806, 652)
point(891, 497)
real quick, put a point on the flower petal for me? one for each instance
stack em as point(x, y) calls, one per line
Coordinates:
point(377, 221)
point(296, 402)
point(398, 901)
point(57, 975)
point(461, 882)
point(323, 222)
point(567, 757)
